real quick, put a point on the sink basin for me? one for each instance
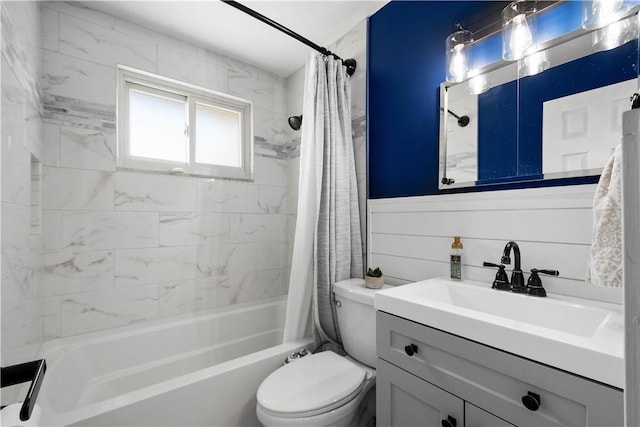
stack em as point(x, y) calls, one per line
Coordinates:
point(547, 313)
point(573, 334)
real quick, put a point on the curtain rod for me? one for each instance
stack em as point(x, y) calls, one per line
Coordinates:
point(349, 63)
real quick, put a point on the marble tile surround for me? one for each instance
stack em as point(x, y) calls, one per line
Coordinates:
point(120, 247)
point(123, 246)
point(21, 241)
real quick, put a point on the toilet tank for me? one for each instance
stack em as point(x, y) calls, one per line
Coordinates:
point(357, 319)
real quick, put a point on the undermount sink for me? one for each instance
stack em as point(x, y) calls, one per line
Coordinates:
point(577, 335)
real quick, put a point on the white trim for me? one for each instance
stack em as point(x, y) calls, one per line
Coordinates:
point(174, 89)
point(574, 196)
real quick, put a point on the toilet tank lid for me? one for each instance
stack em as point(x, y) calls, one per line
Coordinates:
point(355, 290)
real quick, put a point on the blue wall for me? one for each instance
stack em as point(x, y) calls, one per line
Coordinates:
point(406, 66)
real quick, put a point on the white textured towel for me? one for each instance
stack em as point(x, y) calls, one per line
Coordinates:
point(605, 264)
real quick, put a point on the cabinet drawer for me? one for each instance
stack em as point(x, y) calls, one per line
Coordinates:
point(495, 380)
point(476, 417)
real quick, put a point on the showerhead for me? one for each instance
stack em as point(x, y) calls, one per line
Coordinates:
point(295, 122)
point(463, 121)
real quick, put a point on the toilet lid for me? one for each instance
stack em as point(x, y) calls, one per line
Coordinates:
point(312, 385)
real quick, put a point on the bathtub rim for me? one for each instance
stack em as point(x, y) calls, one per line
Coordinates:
point(57, 348)
point(99, 408)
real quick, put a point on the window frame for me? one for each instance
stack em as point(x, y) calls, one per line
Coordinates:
point(153, 84)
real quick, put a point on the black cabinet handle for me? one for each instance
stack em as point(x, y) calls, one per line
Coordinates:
point(449, 422)
point(531, 401)
point(411, 349)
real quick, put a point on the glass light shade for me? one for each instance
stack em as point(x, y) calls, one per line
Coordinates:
point(600, 13)
point(615, 34)
point(518, 29)
point(458, 48)
point(533, 64)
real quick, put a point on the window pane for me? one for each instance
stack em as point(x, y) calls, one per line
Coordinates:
point(156, 127)
point(218, 140)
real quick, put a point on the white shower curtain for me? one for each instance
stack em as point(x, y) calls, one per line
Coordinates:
point(327, 244)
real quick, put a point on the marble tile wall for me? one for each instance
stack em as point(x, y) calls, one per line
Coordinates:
point(121, 246)
point(111, 247)
point(21, 238)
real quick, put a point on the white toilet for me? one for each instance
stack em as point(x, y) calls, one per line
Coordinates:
point(325, 389)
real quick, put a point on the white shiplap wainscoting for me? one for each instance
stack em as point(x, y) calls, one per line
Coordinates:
point(410, 238)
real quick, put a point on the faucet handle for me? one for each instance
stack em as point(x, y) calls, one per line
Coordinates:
point(549, 272)
point(501, 281)
point(490, 264)
point(534, 284)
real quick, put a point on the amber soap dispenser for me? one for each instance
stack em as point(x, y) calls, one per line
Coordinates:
point(456, 258)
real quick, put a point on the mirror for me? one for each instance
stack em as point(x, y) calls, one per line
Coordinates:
point(560, 123)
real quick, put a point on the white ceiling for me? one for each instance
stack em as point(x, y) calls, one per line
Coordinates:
point(222, 28)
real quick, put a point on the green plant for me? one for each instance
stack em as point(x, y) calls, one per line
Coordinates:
point(376, 272)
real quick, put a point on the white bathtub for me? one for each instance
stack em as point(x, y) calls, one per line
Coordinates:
point(196, 370)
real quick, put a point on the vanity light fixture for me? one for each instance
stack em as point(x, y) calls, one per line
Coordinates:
point(518, 29)
point(533, 64)
point(615, 34)
point(458, 48)
point(605, 15)
point(601, 13)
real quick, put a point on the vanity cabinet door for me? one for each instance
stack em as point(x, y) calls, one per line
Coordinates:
point(476, 417)
point(497, 381)
point(404, 400)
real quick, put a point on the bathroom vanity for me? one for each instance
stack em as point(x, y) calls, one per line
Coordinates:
point(429, 373)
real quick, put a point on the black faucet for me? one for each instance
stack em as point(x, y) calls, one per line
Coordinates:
point(534, 284)
point(501, 282)
point(517, 278)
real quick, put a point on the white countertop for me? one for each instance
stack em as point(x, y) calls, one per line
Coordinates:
point(580, 336)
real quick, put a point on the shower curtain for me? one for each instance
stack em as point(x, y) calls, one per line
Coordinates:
point(327, 244)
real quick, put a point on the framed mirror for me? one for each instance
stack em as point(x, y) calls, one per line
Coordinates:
point(562, 122)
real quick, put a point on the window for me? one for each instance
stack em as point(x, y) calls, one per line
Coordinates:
point(167, 126)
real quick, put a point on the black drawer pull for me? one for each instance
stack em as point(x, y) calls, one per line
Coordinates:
point(531, 401)
point(449, 422)
point(411, 349)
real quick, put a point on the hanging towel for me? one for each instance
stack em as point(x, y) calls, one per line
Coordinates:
point(605, 264)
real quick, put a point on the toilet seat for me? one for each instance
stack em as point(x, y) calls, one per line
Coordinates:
point(313, 385)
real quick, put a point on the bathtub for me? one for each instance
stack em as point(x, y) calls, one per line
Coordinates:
point(195, 370)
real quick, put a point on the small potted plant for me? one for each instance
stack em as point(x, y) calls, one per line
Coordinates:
point(373, 279)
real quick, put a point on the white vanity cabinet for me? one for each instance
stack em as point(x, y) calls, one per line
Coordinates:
point(427, 377)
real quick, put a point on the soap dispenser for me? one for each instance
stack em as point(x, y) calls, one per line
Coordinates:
point(456, 259)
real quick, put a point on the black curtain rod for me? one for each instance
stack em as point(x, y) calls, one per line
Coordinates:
point(349, 63)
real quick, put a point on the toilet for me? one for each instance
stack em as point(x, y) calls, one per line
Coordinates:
point(325, 389)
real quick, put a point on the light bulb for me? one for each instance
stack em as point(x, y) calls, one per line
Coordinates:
point(521, 38)
point(458, 66)
point(604, 11)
